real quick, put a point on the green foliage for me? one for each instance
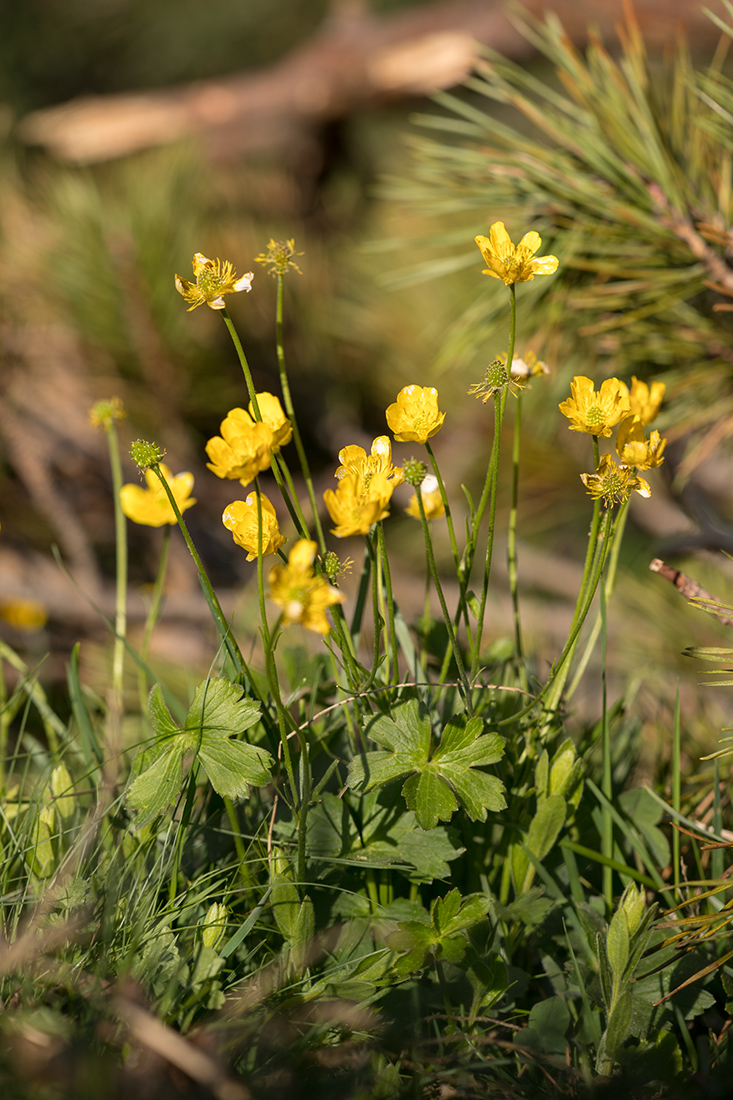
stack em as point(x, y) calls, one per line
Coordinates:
point(440, 777)
point(216, 715)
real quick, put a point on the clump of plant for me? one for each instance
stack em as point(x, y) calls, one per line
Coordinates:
point(385, 846)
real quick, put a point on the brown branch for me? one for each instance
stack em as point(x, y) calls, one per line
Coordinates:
point(357, 60)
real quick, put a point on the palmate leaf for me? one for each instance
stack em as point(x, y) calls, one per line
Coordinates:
point(217, 714)
point(438, 779)
point(443, 937)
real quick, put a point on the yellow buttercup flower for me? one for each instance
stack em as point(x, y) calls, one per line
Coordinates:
point(242, 450)
point(634, 449)
point(432, 501)
point(151, 506)
point(240, 517)
point(612, 483)
point(595, 413)
point(644, 400)
point(355, 460)
point(214, 279)
point(272, 414)
point(513, 265)
point(414, 417)
point(303, 596)
point(358, 502)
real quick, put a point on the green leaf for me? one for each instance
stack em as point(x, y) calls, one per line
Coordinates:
point(160, 717)
point(233, 766)
point(376, 769)
point(216, 714)
point(545, 826)
point(219, 710)
point(617, 945)
point(430, 798)
point(437, 784)
point(408, 732)
point(476, 791)
point(154, 791)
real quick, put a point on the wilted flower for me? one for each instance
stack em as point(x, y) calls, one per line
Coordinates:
point(612, 483)
point(240, 517)
point(214, 279)
point(278, 257)
point(414, 417)
point(595, 413)
point(303, 596)
point(634, 449)
point(513, 265)
point(242, 450)
point(432, 501)
point(645, 401)
point(358, 502)
point(272, 414)
point(495, 378)
point(151, 507)
point(355, 460)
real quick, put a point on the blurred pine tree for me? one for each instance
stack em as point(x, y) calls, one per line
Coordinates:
point(623, 165)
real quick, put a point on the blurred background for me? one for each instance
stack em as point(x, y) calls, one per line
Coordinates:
point(137, 133)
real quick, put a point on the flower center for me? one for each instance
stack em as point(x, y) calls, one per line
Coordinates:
point(595, 417)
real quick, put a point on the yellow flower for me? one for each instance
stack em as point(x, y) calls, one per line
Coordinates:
point(513, 265)
point(240, 517)
point(243, 448)
point(355, 460)
point(612, 483)
point(25, 615)
point(278, 257)
point(595, 413)
point(303, 596)
point(432, 501)
point(634, 449)
point(214, 279)
point(645, 401)
point(414, 417)
point(272, 414)
point(151, 506)
point(357, 503)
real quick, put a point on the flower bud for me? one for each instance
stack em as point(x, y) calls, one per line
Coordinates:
point(415, 472)
point(145, 454)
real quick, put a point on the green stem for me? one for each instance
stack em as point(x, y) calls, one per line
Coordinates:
point(118, 661)
point(277, 461)
point(390, 601)
point(512, 543)
point(220, 619)
point(610, 580)
point(464, 686)
point(269, 647)
point(607, 785)
point(152, 617)
point(574, 632)
point(289, 408)
point(499, 406)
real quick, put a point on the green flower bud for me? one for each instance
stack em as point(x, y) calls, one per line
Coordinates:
point(145, 454)
point(415, 472)
point(214, 925)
